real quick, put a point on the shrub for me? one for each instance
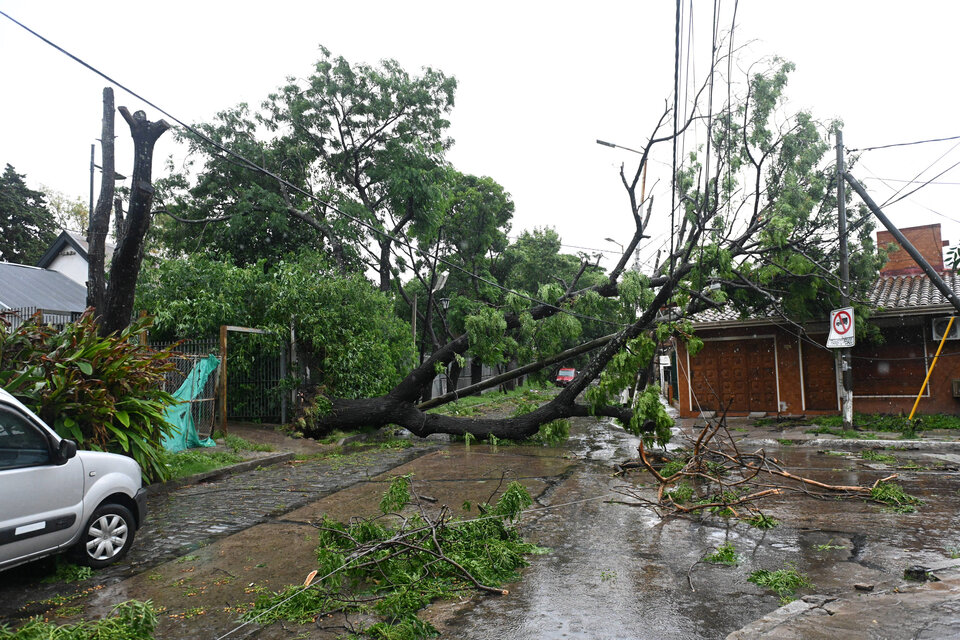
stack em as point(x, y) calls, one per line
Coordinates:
point(105, 393)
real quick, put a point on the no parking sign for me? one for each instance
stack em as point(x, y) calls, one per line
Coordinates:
point(841, 329)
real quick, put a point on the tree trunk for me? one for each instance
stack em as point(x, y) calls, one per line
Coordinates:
point(99, 223)
point(453, 376)
point(476, 372)
point(125, 267)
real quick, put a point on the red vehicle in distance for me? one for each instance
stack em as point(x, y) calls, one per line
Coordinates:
point(565, 376)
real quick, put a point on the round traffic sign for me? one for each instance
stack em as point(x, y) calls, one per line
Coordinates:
point(842, 322)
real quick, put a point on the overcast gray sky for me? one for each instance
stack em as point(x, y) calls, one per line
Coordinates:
point(539, 82)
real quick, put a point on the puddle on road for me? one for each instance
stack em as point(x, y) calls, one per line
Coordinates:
point(620, 572)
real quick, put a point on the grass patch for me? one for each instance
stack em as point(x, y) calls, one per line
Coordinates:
point(131, 620)
point(724, 554)
point(237, 444)
point(876, 456)
point(181, 464)
point(847, 434)
point(784, 442)
point(783, 582)
point(894, 497)
point(521, 400)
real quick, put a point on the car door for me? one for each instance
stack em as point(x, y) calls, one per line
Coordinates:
point(40, 502)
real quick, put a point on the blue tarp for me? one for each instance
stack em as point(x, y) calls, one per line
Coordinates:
point(184, 434)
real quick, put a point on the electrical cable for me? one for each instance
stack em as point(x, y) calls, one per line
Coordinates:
point(903, 144)
point(266, 172)
point(930, 166)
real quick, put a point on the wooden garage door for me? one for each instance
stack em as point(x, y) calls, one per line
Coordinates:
point(741, 370)
point(819, 376)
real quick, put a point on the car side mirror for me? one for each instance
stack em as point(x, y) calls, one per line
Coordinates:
point(66, 450)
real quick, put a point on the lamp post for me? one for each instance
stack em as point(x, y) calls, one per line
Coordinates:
point(615, 242)
point(617, 146)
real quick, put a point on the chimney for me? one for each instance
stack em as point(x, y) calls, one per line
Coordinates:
point(927, 241)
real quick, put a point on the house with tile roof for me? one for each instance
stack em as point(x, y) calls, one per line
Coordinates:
point(765, 366)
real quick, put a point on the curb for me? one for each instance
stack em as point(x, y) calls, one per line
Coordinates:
point(222, 472)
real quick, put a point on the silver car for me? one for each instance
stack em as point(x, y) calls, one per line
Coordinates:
point(54, 498)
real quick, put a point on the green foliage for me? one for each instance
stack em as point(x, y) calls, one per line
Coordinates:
point(829, 546)
point(26, 226)
point(762, 521)
point(672, 467)
point(724, 554)
point(131, 620)
point(104, 393)
point(783, 582)
point(681, 493)
point(896, 499)
point(487, 330)
point(363, 568)
point(68, 572)
point(553, 433)
point(355, 346)
point(620, 374)
point(397, 496)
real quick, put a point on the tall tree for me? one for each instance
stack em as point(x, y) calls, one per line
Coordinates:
point(26, 225)
point(70, 214)
point(368, 140)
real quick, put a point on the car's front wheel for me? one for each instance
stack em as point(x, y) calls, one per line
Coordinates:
point(107, 536)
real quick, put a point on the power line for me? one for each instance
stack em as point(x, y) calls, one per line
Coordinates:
point(255, 167)
point(904, 144)
point(913, 181)
point(930, 166)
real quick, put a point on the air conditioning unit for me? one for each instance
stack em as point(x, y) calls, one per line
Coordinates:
point(940, 327)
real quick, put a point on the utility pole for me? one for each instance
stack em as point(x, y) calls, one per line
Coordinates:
point(846, 373)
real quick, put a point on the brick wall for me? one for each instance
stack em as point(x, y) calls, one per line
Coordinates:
point(926, 239)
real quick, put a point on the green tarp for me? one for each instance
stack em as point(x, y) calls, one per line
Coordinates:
point(184, 434)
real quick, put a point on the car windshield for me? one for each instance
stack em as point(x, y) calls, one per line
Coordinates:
point(566, 372)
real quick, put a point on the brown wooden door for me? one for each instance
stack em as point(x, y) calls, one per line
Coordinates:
point(819, 377)
point(761, 368)
point(739, 372)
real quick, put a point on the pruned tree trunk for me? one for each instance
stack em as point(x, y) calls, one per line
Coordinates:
point(99, 223)
point(125, 267)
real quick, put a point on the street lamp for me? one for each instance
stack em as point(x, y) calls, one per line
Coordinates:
point(615, 242)
point(617, 146)
point(445, 303)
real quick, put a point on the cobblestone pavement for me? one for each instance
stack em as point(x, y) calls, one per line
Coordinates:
point(192, 516)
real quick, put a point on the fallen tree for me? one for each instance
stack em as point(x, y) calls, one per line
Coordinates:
point(752, 229)
point(759, 225)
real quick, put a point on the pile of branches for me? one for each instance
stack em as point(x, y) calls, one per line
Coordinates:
point(385, 569)
point(713, 474)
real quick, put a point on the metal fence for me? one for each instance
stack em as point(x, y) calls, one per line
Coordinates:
point(53, 317)
point(186, 354)
point(254, 380)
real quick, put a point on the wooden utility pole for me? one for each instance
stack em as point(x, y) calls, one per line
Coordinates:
point(846, 372)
